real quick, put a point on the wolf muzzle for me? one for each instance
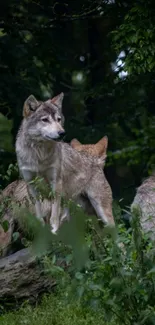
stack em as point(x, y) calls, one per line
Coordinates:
point(61, 134)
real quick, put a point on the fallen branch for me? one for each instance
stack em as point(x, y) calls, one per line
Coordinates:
point(22, 277)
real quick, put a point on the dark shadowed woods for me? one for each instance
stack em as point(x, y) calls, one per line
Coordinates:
point(101, 55)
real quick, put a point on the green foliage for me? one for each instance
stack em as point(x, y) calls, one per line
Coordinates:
point(111, 273)
point(42, 188)
point(135, 35)
point(54, 311)
point(122, 285)
point(12, 171)
point(5, 134)
point(37, 57)
point(135, 149)
point(6, 201)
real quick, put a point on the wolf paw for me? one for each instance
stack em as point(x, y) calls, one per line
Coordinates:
point(42, 221)
point(54, 230)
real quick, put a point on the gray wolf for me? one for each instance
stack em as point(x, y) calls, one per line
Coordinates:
point(42, 122)
point(70, 173)
point(144, 201)
point(17, 191)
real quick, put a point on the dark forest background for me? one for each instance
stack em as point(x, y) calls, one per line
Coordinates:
point(101, 54)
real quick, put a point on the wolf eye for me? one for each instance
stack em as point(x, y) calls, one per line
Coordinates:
point(59, 119)
point(45, 119)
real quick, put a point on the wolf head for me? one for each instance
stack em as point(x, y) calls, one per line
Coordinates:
point(44, 120)
point(98, 149)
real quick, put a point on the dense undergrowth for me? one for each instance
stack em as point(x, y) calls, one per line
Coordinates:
point(98, 281)
point(54, 311)
point(104, 275)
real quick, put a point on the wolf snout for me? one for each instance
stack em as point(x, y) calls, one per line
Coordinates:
point(61, 134)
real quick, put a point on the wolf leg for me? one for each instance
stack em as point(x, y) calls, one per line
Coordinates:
point(55, 216)
point(28, 177)
point(56, 206)
point(65, 215)
point(100, 196)
point(37, 203)
point(104, 212)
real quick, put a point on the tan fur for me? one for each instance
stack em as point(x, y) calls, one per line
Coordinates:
point(98, 149)
point(17, 191)
point(68, 171)
point(145, 201)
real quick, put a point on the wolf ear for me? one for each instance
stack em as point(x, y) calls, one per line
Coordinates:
point(102, 145)
point(30, 105)
point(75, 143)
point(57, 100)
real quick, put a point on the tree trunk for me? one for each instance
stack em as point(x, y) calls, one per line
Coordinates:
point(22, 277)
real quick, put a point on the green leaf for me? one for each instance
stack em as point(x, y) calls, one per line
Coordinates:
point(15, 236)
point(78, 276)
point(5, 225)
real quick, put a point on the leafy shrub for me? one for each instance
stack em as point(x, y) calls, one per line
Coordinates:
point(95, 270)
point(120, 282)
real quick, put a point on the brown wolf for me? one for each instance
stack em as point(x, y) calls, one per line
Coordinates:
point(145, 202)
point(17, 191)
point(98, 149)
point(69, 172)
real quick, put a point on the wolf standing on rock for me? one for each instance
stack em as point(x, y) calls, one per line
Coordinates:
point(66, 170)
